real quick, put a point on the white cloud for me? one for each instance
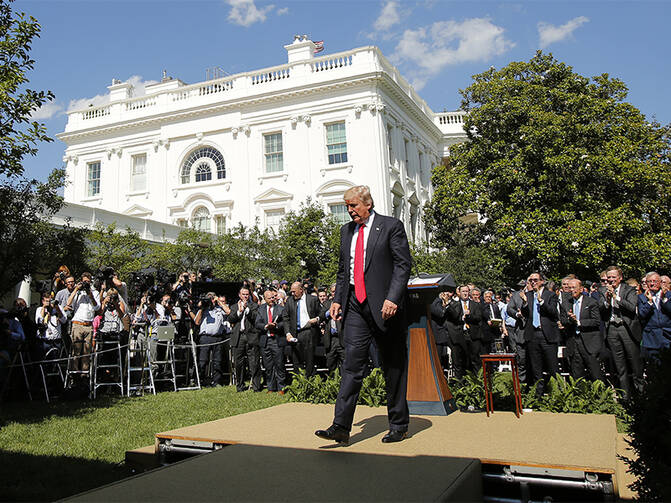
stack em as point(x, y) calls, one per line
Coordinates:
point(432, 48)
point(389, 16)
point(246, 13)
point(549, 34)
point(47, 111)
point(102, 99)
point(283, 11)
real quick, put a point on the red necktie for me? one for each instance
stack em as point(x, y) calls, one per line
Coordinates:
point(270, 318)
point(359, 285)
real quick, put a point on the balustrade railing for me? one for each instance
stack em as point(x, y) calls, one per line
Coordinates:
point(94, 113)
point(331, 62)
point(446, 118)
point(141, 103)
point(270, 76)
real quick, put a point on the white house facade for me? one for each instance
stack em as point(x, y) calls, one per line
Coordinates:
point(248, 148)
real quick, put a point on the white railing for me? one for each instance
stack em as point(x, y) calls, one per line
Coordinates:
point(94, 113)
point(141, 103)
point(446, 118)
point(270, 75)
point(330, 63)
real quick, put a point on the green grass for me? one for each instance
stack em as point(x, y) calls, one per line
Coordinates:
point(50, 451)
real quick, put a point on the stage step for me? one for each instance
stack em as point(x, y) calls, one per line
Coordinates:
point(142, 459)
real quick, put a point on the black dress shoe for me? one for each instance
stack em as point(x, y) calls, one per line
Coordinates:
point(394, 436)
point(335, 433)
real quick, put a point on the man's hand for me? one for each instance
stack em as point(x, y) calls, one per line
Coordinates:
point(334, 311)
point(571, 315)
point(270, 324)
point(648, 295)
point(313, 321)
point(523, 296)
point(388, 309)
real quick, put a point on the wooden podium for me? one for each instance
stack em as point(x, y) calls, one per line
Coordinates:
point(428, 392)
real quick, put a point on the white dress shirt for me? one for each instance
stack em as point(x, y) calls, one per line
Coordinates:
point(355, 237)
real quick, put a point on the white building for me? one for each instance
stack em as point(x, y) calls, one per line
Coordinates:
point(250, 147)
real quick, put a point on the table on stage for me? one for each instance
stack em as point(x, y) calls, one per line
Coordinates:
point(501, 358)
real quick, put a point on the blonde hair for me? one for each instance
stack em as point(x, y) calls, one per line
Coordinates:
point(362, 192)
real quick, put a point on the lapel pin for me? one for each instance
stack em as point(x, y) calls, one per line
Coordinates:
point(377, 228)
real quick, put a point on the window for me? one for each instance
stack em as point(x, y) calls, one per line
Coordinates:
point(272, 148)
point(274, 219)
point(210, 157)
point(339, 211)
point(138, 177)
point(203, 172)
point(336, 143)
point(93, 178)
point(220, 222)
point(201, 220)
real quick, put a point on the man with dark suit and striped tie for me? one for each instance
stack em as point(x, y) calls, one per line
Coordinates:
point(372, 279)
point(269, 324)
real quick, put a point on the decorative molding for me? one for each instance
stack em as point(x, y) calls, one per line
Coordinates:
point(294, 120)
point(307, 119)
point(199, 137)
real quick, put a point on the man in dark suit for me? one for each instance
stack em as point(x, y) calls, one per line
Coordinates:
point(581, 318)
point(332, 338)
point(245, 340)
point(371, 286)
point(439, 326)
point(623, 331)
point(654, 313)
point(269, 324)
point(467, 316)
point(301, 322)
point(539, 308)
point(491, 330)
point(516, 333)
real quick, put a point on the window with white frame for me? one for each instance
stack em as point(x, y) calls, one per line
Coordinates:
point(201, 219)
point(272, 149)
point(138, 175)
point(220, 222)
point(339, 211)
point(193, 168)
point(274, 219)
point(93, 178)
point(336, 142)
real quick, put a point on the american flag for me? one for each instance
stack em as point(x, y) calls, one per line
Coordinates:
point(319, 46)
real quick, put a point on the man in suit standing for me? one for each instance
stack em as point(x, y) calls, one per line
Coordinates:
point(332, 338)
point(373, 272)
point(491, 330)
point(245, 340)
point(301, 321)
point(581, 317)
point(654, 312)
point(539, 308)
point(269, 325)
point(439, 325)
point(516, 334)
point(467, 315)
point(623, 331)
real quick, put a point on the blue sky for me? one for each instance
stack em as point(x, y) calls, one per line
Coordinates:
point(437, 44)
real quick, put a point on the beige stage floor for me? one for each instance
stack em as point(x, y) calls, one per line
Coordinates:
point(572, 441)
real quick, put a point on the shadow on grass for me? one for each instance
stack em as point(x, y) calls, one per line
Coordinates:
point(27, 477)
point(36, 411)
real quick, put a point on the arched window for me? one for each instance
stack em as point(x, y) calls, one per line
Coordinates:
point(209, 157)
point(203, 172)
point(201, 219)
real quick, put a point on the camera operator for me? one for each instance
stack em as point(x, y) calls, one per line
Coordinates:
point(62, 297)
point(22, 323)
point(49, 319)
point(183, 284)
point(108, 279)
point(211, 319)
point(58, 281)
point(84, 302)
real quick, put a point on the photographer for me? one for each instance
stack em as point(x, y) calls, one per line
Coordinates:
point(49, 319)
point(183, 284)
point(84, 302)
point(211, 319)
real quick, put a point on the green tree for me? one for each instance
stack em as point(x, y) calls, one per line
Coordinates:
point(562, 173)
point(25, 204)
point(124, 250)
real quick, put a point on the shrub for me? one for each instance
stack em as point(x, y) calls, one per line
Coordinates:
point(317, 390)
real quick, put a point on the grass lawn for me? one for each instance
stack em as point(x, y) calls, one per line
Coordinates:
point(51, 451)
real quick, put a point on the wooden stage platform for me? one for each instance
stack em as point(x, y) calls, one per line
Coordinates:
point(563, 451)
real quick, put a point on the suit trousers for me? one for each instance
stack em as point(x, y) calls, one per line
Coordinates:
point(251, 354)
point(335, 355)
point(212, 350)
point(360, 329)
point(583, 363)
point(303, 352)
point(627, 359)
point(273, 361)
point(475, 349)
point(460, 358)
point(542, 357)
point(520, 350)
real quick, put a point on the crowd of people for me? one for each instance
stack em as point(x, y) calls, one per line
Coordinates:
point(606, 329)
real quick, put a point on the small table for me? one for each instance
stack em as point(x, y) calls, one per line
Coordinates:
point(502, 358)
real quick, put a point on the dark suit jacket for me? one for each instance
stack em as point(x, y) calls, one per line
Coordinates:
point(627, 309)
point(490, 333)
point(290, 318)
point(512, 308)
point(549, 315)
point(326, 337)
point(438, 321)
point(473, 319)
point(656, 323)
point(236, 322)
point(590, 322)
point(262, 321)
point(386, 269)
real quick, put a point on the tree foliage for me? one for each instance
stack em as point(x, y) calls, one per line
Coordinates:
point(563, 174)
